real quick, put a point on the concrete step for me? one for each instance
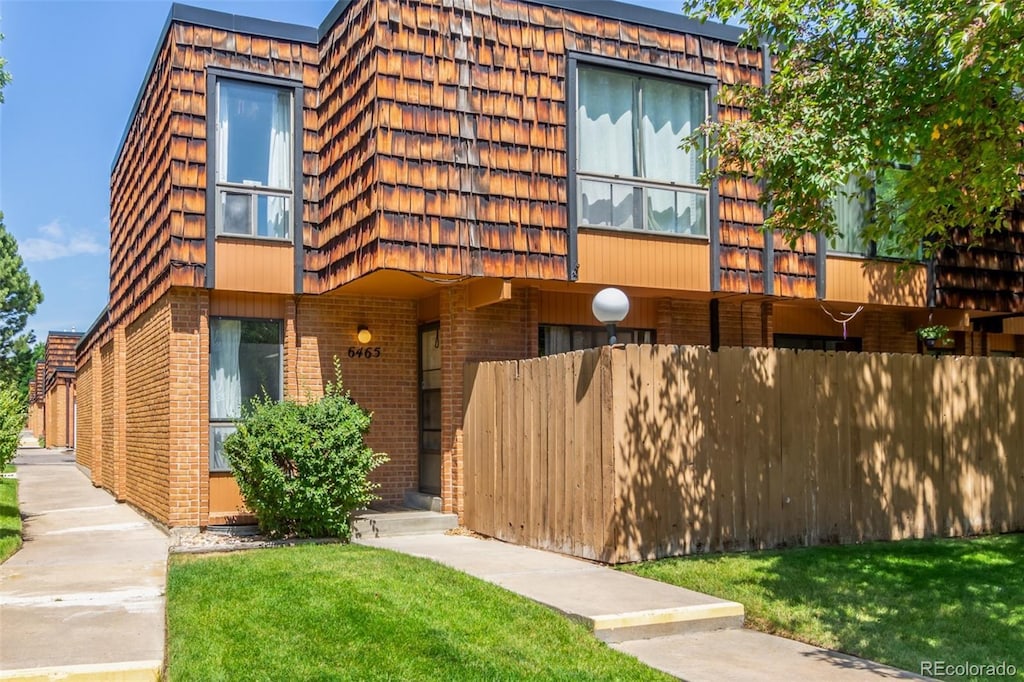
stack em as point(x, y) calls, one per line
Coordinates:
point(384, 524)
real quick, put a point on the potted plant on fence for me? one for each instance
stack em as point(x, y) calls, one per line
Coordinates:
point(933, 334)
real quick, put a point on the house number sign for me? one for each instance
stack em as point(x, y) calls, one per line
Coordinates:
point(365, 353)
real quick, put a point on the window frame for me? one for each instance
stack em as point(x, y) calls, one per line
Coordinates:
point(214, 423)
point(213, 234)
point(577, 60)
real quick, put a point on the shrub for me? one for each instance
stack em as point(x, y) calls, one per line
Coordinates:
point(303, 468)
point(12, 421)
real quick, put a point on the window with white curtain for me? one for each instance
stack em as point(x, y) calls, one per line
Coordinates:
point(852, 205)
point(631, 173)
point(245, 362)
point(254, 152)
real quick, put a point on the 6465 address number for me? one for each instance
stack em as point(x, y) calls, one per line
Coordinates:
point(365, 353)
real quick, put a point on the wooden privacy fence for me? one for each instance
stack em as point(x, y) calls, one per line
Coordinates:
point(629, 453)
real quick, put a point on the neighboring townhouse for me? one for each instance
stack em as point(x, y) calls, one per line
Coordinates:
point(36, 402)
point(416, 185)
point(52, 392)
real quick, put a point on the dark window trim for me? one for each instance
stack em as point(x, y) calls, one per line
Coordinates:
point(575, 59)
point(213, 75)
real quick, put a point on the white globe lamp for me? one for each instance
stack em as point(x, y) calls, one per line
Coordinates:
point(610, 307)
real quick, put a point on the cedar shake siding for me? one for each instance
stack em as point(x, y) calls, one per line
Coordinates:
point(989, 276)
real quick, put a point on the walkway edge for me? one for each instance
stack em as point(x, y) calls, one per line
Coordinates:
point(130, 671)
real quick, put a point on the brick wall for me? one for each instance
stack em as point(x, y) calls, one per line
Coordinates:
point(188, 433)
point(501, 331)
point(109, 410)
point(324, 328)
point(56, 412)
point(684, 322)
point(148, 407)
point(744, 324)
point(885, 331)
point(35, 419)
point(84, 447)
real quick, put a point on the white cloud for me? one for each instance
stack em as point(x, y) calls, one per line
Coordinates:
point(57, 242)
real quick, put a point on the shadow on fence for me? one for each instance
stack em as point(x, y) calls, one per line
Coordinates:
point(636, 452)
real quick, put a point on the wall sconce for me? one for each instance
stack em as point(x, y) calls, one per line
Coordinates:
point(363, 334)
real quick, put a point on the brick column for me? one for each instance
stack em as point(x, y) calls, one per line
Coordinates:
point(98, 439)
point(189, 478)
point(119, 443)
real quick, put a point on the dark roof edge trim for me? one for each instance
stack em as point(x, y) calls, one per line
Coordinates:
point(646, 16)
point(93, 327)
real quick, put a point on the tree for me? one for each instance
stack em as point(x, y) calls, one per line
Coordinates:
point(5, 76)
point(858, 87)
point(19, 296)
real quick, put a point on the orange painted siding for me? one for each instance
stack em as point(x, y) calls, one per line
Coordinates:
point(250, 266)
point(644, 260)
point(858, 280)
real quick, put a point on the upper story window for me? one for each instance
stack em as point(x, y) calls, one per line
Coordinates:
point(631, 173)
point(255, 152)
point(852, 205)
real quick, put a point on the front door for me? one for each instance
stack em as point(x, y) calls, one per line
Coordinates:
point(430, 409)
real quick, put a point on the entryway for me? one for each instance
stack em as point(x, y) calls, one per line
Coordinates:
point(430, 409)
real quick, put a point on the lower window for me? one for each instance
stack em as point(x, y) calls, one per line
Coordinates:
point(245, 362)
point(833, 343)
point(556, 338)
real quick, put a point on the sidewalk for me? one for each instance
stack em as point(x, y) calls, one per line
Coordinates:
point(74, 604)
point(683, 633)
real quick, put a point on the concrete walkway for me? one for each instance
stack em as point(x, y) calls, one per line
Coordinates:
point(84, 597)
point(686, 634)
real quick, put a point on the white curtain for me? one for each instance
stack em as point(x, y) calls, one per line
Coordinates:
point(223, 110)
point(225, 380)
point(671, 112)
point(605, 123)
point(558, 340)
point(279, 169)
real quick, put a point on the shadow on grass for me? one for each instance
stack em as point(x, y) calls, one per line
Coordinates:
point(898, 603)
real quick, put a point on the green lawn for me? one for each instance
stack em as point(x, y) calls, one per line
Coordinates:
point(898, 603)
point(337, 612)
point(10, 519)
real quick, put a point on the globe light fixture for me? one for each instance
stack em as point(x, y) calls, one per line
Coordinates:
point(363, 334)
point(610, 307)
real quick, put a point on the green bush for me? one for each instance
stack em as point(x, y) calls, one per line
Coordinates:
point(12, 421)
point(303, 468)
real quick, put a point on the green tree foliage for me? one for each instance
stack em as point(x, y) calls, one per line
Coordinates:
point(936, 84)
point(5, 76)
point(303, 468)
point(19, 296)
point(12, 421)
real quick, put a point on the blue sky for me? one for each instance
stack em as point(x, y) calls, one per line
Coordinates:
point(77, 68)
